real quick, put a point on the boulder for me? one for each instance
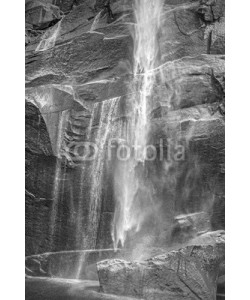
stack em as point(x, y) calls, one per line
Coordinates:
point(41, 14)
point(188, 273)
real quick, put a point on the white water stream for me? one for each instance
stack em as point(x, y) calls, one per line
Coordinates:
point(131, 210)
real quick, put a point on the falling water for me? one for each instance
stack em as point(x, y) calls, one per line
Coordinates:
point(104, 128)
point(79, 228)
point(58, 175)
point(130, 211)
point(106, 109)
point(146, 55)
point(84, 170)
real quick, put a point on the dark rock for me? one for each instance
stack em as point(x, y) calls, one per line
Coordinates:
point(221, 288)
point(41, 14)
point(32, 36)
point(218, 212)
point(37, 137)
point(65, 5)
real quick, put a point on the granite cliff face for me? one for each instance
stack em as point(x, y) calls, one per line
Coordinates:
point(78, 56)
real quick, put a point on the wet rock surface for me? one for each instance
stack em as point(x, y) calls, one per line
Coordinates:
point(188, 273)
point(80, 265)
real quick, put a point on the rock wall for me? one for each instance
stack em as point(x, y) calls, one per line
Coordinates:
point(77, 55)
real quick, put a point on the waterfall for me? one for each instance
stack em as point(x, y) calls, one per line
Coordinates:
point(101, 137)
point(133, 195)
point(107, 110)
point(85, 214)
point(83, 176)
point(134, 201)
point(146, 52)
point(58, 175)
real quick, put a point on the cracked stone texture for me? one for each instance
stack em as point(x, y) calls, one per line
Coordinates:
point(188, 273)
point(89, 64)
point(41, 14)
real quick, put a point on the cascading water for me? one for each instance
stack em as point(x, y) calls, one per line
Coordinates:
point(58, 175)
point(107, 109)
point(92, 167)
point(134, 200)
point(84, 191)
point(133, 196)
point(79, 225)
point(146, 56)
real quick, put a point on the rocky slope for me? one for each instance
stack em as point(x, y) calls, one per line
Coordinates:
point(78, 56)
point(188, 273)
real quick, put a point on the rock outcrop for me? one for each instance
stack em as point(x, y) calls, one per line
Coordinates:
point(187, 273)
